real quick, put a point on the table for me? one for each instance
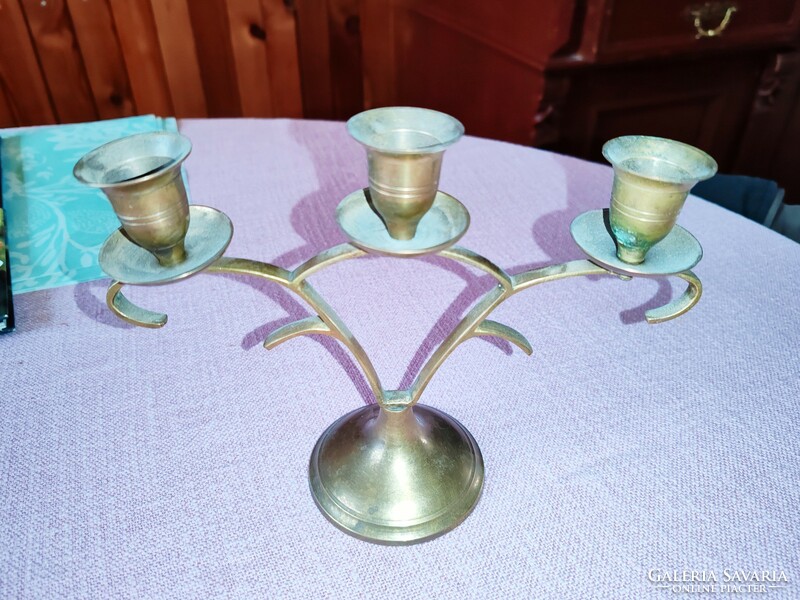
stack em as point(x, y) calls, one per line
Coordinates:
point(172, 463)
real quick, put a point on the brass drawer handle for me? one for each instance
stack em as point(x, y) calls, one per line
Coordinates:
point(721, 11)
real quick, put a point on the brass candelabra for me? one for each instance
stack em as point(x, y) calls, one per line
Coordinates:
point(395, 471)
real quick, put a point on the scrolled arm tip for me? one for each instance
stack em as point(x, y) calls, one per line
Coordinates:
point(681, 305)
point(308, 326)
point(495, 329)
point(129, 312)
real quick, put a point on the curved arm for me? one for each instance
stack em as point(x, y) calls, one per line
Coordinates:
point(129, 312)
point(573, 268)
point(473, 259)
point(495, 329)
point(254, 268)
point(295, 281)
point(680, 306)
point(463, 331)
point(324, 259)
point(470, 324)
point(475, 322)
point(327, 323)
point(340, 331)
point(308, 326)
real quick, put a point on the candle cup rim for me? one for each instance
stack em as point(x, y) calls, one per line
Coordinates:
point(448, 130)
point(184, 148)
point(617, 150)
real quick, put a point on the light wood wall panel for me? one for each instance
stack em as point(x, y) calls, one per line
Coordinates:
point(247, 35)
point(282, 56)
point(330, 44)
point(21, 77)
point(79, 60)
point(139, 42)
point(102, 57)
point(176, 38)
point(60, 59)
point(6, 114)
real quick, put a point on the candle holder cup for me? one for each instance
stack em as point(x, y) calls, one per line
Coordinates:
point(652, 178)
point(405, 147)
point(141, 176)
point(396, 471)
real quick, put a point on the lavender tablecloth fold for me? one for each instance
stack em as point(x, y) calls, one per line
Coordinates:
point(173, 463)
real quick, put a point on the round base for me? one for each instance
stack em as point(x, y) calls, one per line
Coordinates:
point(210, 232)
point(676, 253)
point(441, 227)
point(396, 477)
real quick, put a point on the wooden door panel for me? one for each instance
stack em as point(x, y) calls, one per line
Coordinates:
point(330, 42)
point(530, 30)
point(247, 35)
point(345, 44)
point(210, 26)
point(313, 36)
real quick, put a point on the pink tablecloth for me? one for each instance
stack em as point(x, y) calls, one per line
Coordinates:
point(173, 463)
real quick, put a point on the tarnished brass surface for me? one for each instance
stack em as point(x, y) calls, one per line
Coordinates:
point(679, 251)
point(652, 177)
point(210, 232)
point(127, 311)
point(396, 477)
point(440, 227)
point(372, 473)
point(405, 146)
point(398, 472)
point(141, 176)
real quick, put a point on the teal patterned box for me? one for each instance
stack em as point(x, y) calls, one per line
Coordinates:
point(55, 225)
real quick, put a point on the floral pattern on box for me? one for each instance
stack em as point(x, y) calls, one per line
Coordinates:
point(55, 225)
